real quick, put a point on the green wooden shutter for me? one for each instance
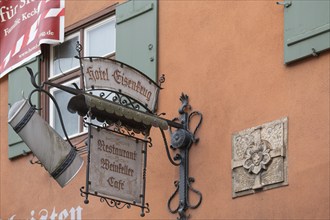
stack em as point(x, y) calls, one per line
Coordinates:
point(136, 35)
point(18, 83)
point(307, 28)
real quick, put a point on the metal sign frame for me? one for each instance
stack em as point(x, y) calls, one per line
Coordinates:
point(115, 200)
point(116, 165)
point(101, 73)
point(122, 97)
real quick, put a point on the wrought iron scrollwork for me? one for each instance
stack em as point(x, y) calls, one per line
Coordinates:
point(173, 211)
point(161, 80)
point(184, 204)
point(113, 203)
point(149, 142)
point(118, 98)
point(182, 140)
point(200, 197)
point(193, 114)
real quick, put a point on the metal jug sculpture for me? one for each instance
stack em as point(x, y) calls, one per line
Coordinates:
point(55, 154)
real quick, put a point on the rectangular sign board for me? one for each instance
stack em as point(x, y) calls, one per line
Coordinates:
point(116, 166)
point(110, 74)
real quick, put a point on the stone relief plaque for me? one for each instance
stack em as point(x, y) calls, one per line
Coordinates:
point(259, 158)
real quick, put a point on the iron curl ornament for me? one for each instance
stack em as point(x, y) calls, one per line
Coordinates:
point(181, 140)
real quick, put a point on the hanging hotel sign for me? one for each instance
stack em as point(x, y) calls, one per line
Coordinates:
point(24, 26)
point(116, 76)
point(116, 165)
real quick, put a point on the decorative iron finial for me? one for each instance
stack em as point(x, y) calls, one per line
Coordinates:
point(78, 48)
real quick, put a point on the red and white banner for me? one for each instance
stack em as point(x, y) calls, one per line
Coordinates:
point(24, 26)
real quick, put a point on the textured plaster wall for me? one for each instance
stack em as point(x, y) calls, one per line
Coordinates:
point(78, 9)
point(228, 57)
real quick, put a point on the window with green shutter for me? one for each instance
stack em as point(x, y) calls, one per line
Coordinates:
point(19, 86)
point(136, 35)
point(306, 28)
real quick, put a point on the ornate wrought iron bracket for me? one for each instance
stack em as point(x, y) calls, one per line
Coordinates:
point(128, 116)
point(181, 140)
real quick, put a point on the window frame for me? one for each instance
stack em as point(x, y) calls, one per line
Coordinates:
point(72, 74)
point(95, 26)
point(53, 110)
point(51, 57)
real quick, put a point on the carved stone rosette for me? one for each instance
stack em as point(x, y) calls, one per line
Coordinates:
point(259, 158)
